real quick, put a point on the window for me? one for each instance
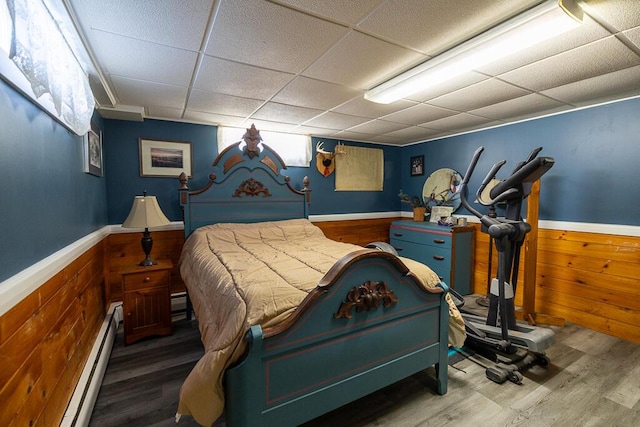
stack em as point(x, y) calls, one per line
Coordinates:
point(295, 150)
point(37, 59)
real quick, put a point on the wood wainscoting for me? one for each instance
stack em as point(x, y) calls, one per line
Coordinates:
point(45, 340)
point(589, 279)
point(359, 232)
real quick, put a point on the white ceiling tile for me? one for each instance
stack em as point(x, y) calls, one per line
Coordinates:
point(462, 81)
point(223, 104)
point(487, 92)
point(166, 22)
point(359, 106)
point(413, 133)
point(419, 113)
point(331, 120)
point(347, 12)
point(134, 92)
point(285, 113)
point(361, 62)
point(607, 87)
point(588, 32)
point(213, 118)
point(164, 113)
point(376, 127)
point(274, 126)
point(519, 108)
point(315, 131)
point(387, 139)
point(233, 78)
point(352, 136)
point(306, 92)
point(621, 14)
point(423, 26)
point(459, 121)
point(601, 57)
point(634, 36)
point(151, 62)
point(271, 36)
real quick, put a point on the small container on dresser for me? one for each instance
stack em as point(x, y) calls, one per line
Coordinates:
point(146, 300)
point(448, 251)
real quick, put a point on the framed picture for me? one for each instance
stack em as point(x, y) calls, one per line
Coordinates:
point(417, 165)
point(92, 162)
point(164, 158)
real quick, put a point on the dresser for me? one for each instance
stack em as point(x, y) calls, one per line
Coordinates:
point(146, 300)
point(448, 251)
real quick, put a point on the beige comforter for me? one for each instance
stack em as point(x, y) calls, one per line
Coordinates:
point(240, 275)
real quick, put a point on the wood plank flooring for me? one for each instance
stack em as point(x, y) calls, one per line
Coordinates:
point(593, 380)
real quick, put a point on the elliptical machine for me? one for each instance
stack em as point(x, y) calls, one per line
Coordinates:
point(512, 346)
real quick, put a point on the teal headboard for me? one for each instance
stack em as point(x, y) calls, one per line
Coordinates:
point(246, 185)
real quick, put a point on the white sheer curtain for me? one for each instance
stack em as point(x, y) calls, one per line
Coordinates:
point(295, 150)
point(41, 53)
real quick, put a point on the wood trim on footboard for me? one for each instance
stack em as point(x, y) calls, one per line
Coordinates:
point(45, 340)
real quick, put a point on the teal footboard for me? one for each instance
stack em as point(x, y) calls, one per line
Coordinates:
point(367, 325)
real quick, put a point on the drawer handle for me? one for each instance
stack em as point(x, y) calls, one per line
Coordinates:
point(438, 241)
point(397, 234)
point(438, 257)
point(398, 248)
point(147, 279)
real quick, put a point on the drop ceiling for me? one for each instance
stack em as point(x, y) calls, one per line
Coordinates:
point(302, 66)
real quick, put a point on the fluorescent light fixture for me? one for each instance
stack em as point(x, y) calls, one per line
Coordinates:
point(540, 23)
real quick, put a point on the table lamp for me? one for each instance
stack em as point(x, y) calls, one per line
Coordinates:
point(146, 213)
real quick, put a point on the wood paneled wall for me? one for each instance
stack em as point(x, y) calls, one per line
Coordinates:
point(359, 232)
point(45, 341)
point(589, 279)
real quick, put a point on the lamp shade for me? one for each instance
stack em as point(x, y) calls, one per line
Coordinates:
point(145, 213)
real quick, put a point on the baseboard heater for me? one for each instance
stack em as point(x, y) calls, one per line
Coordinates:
point(84, 397)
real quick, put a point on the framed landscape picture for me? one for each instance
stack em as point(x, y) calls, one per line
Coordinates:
point(164, 158)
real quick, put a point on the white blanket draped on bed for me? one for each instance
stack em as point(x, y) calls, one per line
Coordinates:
point(239, 275)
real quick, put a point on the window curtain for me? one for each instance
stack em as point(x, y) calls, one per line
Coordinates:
point(42, 54)
point(295, 150)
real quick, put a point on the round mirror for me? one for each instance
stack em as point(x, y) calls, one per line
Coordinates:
point(442, 189)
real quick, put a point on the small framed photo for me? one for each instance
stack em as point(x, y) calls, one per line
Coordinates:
point(92, 162)
point(417, 165)
point(164, 158)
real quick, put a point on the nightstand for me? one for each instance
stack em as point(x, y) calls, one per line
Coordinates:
point(146, 300)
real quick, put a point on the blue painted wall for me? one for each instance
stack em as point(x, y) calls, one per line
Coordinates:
point(596, 178)
point(124, 180)
point(48, 202)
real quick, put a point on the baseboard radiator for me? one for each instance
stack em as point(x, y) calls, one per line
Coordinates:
point(84, 397)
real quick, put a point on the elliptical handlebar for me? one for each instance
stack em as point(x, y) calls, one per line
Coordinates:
point(486, 220)
point(510, 189)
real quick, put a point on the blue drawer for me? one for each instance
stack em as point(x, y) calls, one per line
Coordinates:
point(421, 236)
point(436, 258)
point(448, 251)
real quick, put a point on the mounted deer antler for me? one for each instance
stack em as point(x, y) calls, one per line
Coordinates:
point(324, 160)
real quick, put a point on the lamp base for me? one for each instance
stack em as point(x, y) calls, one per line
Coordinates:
point(147, 244)
point(148, 262)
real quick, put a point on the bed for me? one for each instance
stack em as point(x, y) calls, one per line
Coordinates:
point(295, 325)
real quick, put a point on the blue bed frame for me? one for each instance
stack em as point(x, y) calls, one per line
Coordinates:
point(367, 325)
